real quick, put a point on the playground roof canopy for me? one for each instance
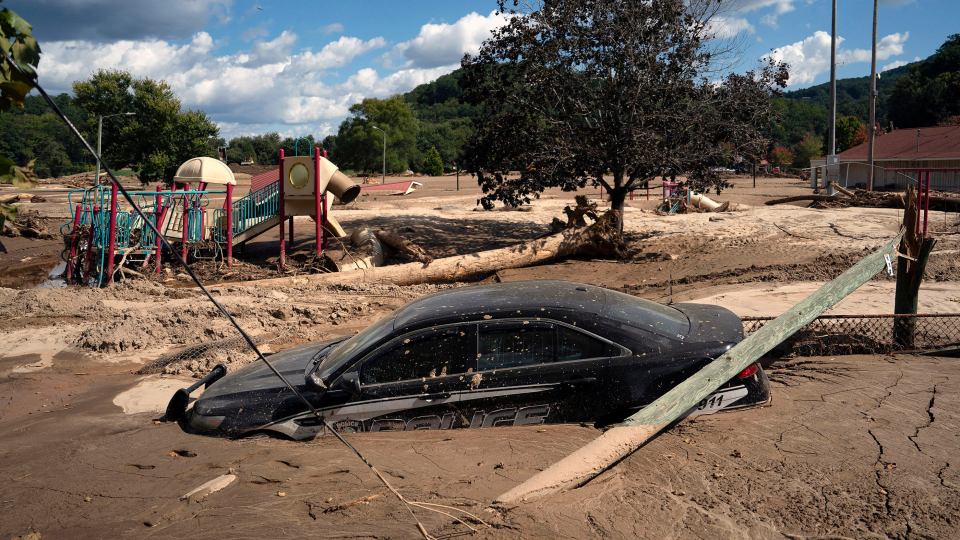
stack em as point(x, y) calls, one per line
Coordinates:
point(205, 169)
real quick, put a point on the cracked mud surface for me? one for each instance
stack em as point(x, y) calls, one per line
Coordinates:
point(852, 447)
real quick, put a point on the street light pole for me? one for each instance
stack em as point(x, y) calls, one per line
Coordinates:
point(873, 100)
point(384, 179)
point(100, 136)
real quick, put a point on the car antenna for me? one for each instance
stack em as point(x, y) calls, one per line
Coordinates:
point(670, 303)
point(250, 343)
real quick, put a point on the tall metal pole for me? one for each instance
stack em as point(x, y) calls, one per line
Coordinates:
point(873, 100)
point(832, 139)
point(96, 182)
point(100, 136)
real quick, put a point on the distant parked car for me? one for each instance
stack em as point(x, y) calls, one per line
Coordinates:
point(776, 169)
point(507, 354)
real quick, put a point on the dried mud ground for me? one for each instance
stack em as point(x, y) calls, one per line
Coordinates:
point(852, 447)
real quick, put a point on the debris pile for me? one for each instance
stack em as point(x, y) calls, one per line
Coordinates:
point(28, 224)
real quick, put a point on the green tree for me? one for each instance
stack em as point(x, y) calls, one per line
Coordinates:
point(16, 40)
point(847, 128)
point(360, 146)
point(808, 148)
point(433, 164)
point(781, 157)
point(241, 149)
point(608, 92)
point(158, 139)
point(930, 93)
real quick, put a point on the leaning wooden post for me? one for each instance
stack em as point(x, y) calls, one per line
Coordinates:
point(914, 253)
point(618, 442)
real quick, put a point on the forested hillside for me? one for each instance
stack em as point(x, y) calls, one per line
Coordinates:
point(35, 132)
point(432, 116)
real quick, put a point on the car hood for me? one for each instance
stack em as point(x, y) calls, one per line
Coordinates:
point(257, 376)
point(710, 324)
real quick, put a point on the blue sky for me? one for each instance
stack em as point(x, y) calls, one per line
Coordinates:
point(296, 67)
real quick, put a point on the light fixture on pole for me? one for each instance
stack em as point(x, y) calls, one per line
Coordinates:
point(384, 179)
point(100, 136)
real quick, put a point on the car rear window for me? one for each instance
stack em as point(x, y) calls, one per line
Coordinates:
point(646, 315)
point(574, 345)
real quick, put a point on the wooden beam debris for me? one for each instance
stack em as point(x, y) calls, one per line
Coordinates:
point(620, 441)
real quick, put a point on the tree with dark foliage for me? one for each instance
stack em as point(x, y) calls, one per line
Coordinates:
point(613, 93)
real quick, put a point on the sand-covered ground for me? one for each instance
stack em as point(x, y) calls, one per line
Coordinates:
point(853, 447)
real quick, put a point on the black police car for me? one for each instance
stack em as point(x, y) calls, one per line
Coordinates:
point(507, 354)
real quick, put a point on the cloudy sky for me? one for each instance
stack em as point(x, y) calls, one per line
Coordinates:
point(296, 67)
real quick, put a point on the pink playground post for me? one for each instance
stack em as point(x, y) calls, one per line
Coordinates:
point(283, 258)
point(186, 221)
point(113, 232)
point(73, 244)
point(229, 225)
point(318, 199)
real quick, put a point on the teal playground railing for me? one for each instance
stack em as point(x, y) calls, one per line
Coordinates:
point(133, 237)
point(248, 212)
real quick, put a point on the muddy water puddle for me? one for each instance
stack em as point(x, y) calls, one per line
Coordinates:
point(40, 272)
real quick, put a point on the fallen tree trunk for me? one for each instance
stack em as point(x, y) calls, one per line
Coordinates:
point(846, 192)
point(821, 198)
point(876, 200)
point(600, 239)
point(620, 441)
point(398, 243)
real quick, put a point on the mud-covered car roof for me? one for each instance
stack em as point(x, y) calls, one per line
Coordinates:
point(550, 299)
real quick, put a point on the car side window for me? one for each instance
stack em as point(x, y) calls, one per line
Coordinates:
point(514, 344)
point(425, 355)
point(575, 345)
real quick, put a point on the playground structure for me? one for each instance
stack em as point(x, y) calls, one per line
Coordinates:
point(101, 230)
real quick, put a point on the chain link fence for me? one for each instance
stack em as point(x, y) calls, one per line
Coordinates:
point(867, 334)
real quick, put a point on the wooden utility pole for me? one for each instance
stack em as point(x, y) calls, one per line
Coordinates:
point(873, 101)
point(620, 441)
point(910, 273)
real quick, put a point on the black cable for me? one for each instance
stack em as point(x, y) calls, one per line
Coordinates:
point(196, 280)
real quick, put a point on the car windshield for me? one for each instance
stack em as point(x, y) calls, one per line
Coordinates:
point(646, 315)
point(374, 333)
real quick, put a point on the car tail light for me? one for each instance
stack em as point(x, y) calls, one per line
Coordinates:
point(748, 371)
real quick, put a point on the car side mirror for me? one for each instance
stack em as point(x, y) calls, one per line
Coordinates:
point(315, 383)
point(350, 383)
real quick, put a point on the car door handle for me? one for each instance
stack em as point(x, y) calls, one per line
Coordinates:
point(578, 384)
point(433, 397)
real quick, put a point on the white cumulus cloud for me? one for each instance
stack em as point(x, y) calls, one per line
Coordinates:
point(248, 91)
point(725, 27)
point(445, 44)
point(811, 57)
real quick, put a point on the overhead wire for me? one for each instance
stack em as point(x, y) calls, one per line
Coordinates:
point(246, 337)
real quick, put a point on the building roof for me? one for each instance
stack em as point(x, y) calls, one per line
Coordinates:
point(262, 180)
point(942, 142)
